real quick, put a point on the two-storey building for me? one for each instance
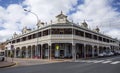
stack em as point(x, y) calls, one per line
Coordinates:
point(62, 39)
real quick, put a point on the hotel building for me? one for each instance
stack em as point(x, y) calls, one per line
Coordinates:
point(61, 39)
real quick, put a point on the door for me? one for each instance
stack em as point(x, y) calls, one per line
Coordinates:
point(61, 53)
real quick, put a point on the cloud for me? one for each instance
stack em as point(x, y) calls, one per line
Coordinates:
point(96, 13)
point(9, 18)
point(14, 18)
point(46, 9)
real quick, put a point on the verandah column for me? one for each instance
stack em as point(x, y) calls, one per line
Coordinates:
point(36, 50)
point(73, 51)
point(20, 52)
point(84, 50)
point(98, 50)
point(93, 51)
point(26, 52)
point(49, 50)
point(31, 51)
point(14, 52)
point(41, 54)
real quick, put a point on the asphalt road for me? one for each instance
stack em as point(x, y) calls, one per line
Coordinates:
point(102, 65)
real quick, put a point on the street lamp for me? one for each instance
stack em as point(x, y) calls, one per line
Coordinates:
point(35, 15)
point(37, 27)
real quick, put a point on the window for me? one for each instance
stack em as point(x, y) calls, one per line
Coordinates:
point(79, 33)
point(104, 40)
point(108, 40)
point(88, 35)
point(100, 38)
point(13, 41)
point(18, 40)
point(29, 37)
point(24, 39)
point(39, 34)
point(62, 31)
point(34, 36)
point(95, 37)
point(45, 32)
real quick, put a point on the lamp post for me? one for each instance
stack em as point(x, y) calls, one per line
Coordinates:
point(35, 15)
point(37, 27)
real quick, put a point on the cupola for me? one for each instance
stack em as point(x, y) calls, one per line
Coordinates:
point(97, 29)
point(25, 30)
point(84, 24)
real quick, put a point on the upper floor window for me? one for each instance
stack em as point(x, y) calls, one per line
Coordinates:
point(13, 41)
point(39, 34)
point(24, 39)
point(34, 35)
point(18, 40)
point(95, 37)
point(29, 37)
point(61, 31)
point(79, 33)
point(88, 35)
point(45, 32)
point(100, 38)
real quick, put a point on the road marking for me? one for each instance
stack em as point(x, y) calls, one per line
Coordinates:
point(104, 62)
point(116, 62)
point(99, 61)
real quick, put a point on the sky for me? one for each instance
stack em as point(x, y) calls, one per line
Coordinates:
point(104, 14)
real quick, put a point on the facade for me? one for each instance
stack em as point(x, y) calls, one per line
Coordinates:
point(2, 45)
point(61, 39)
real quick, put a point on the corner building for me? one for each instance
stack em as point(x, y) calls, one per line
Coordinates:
point(61, 39)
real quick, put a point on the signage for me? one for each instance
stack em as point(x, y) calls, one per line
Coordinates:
point(57, 47)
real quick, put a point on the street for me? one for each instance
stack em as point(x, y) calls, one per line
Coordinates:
point(100, 65)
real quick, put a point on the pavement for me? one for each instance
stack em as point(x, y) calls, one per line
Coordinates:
point(29, 61)
point(26, 62)
point(102, 65)
point(6, 64)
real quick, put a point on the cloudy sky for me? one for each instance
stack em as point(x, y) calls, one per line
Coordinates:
point(102, 13)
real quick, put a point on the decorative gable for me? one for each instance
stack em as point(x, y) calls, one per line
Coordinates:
point(25, 30)
point(61, 18)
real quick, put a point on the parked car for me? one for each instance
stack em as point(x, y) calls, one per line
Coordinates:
point(119, 52)
point(2, 55)
point(116, 52)
point(109, 54)
point(103, 54)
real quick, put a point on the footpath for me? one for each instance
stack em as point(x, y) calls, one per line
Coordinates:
point(26, 61)
point(6, 64)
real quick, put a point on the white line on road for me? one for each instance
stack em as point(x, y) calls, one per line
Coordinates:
point(106, 62)
point(99, 61)
point(116, 62)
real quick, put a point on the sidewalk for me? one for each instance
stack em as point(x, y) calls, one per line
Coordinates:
point(6, 64)
point(29, 61)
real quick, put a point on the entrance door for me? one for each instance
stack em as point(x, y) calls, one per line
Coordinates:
point(61, 53)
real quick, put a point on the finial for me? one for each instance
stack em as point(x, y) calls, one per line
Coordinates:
point(51, 21)
point(96, 26)
point(25, 27)
point(61, 12)
point(84, 20)
point(72, 21)
point(14, 32)
point(77, 23)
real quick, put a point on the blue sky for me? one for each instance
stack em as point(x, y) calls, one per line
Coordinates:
point(116, 4)
point(6, 3)
point(102, 13)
